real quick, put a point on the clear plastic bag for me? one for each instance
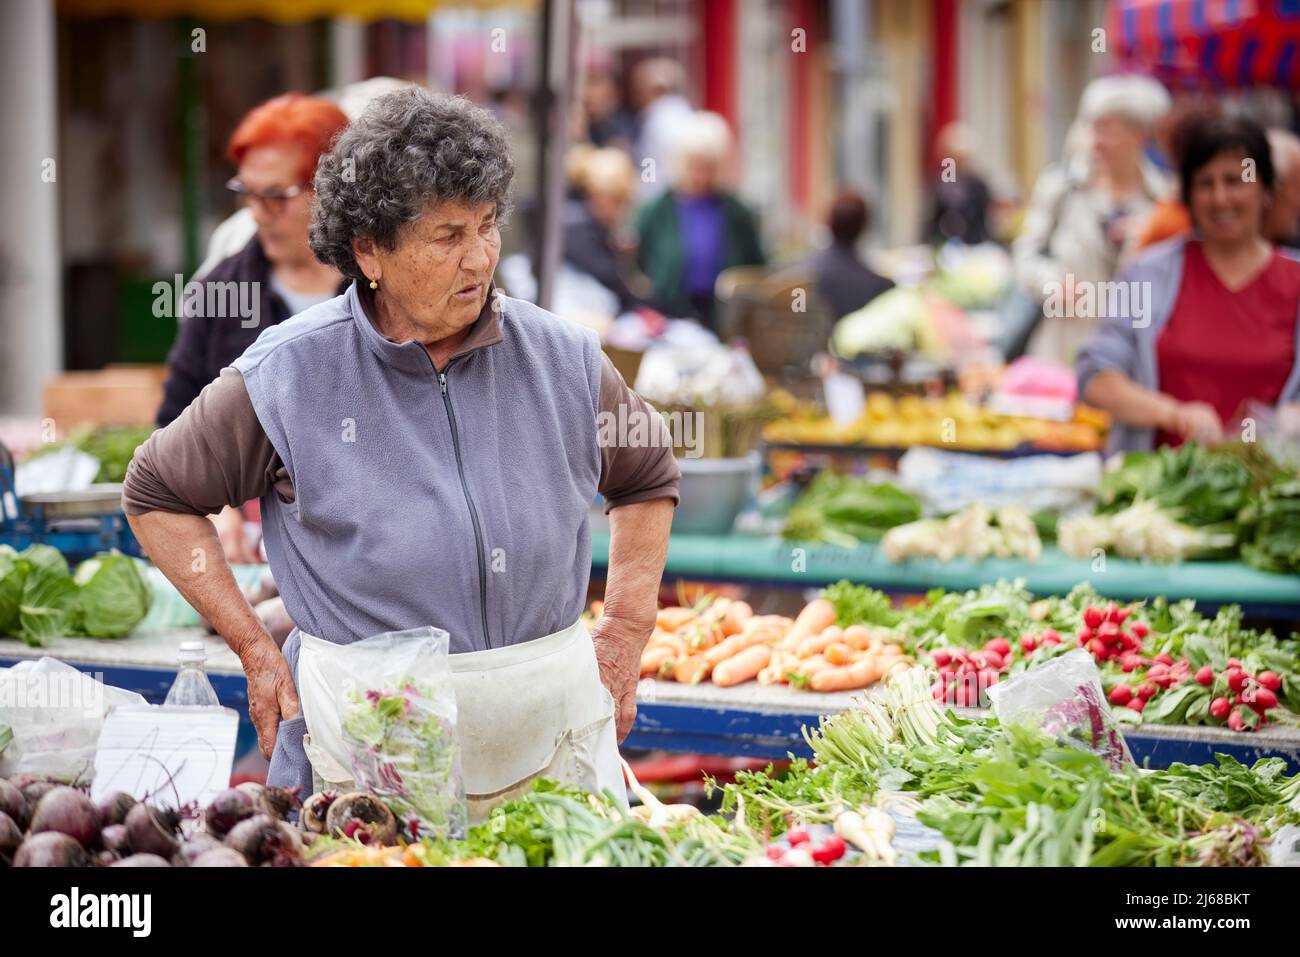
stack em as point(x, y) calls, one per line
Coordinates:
point(51, 715)
point(1063, 699)
point(383, 710)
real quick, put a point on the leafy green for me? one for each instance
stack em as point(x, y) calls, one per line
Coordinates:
point(860, 605)
point(1271, 527)
point(13, 572)
point(49, 605)
point(115, 595)
point(1200, 486)
point(844, 510)
point(113, 446)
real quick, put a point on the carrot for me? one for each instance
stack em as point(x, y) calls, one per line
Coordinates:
point(738, 612)
point(670, 619)
point(816, 617)
point(668, 639)
point(890, 650)
point(701, 635)
point(859, 636)
point(801, 669)
point(813, 645)
point(692, 670)
point(742, 667)
point(733, 646)
point(653, 657)
point(857, 675)
point(839, 653)
point(774, 673)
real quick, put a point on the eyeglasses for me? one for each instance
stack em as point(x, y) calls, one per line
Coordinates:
point(274, 200)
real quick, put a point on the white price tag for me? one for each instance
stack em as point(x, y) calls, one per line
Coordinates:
point(169, 755)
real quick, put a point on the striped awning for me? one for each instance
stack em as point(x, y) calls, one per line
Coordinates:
point(278, 11)
point(1218, 43)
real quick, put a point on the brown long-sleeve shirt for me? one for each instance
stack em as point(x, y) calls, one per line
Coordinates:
point(217, 454)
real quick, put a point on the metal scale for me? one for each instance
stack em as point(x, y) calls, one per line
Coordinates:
point(79, 524)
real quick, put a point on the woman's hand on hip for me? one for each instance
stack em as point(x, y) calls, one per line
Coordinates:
point(271, 694)
point(618, 653)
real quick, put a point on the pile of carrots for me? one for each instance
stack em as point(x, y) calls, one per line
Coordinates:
point(722, 640)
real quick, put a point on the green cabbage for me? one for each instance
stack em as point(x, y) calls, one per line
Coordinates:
point(13, 572)
point(114, 595)
point(48, 607)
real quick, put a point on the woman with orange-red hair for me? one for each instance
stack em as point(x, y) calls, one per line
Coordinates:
point(274, 149)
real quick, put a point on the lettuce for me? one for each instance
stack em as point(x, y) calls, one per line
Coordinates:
point(13, 572)
point(49, 604)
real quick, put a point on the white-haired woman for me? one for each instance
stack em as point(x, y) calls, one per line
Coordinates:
point(697, 228)
point(1084, 212)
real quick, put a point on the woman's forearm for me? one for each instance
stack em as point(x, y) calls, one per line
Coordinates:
point(638, 547)
point(187, 550)
point(1126, 401)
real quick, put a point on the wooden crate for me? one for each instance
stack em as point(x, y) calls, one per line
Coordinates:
point(117, 395)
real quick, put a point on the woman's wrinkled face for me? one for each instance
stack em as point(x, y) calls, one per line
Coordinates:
point(282, 224)
point(1226, 201)
point(437, 276)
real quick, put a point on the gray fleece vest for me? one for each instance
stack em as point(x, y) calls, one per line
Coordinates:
point(458, 501)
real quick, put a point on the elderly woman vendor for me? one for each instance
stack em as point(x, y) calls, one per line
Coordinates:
point(426, 452)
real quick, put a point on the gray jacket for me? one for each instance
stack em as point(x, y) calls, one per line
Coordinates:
point(1126, 340)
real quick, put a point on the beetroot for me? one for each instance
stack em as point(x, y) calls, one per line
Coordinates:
point(104, 858)
point(114, 808)
point(279, 802)
point(220, 856)
point(266, 842)
point(152, 831)
point(362, 816)
point(114, 839)
point(194, 848)
point(51, 849)
point(13, 803)
point(314, 809)
point(10, 837)
point(227, 809)
point(141, 860)
point(69, 812)
point(34, 788)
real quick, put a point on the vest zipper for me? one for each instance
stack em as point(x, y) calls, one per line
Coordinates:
point(469, 501)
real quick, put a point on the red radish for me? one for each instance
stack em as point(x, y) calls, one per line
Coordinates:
point(1130, 663)
point(993, 658)
point(1146, 689)
point(1136, 704)
point(1120, 614)
point(1130, 643)
point(1220, 707)
point(1205, 676)
point(1270, 680)
point(947, 674)
point(830, 850)
point(1028, 643)
point(1139, 629)
point(1108, 632)
point(1265, 699)
point(1165, 658)
point(796, 836)
point(1234, 663)
point(1235, 721)
point(1097, 647)
point(1092, 617)
point(1000, 645)
point(1085, 635)
point(1051, 636)
point(1120, 695)
point(941, 658)
point(774, 853)
point(1236, 679)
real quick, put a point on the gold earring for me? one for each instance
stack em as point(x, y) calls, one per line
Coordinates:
point(374, 284)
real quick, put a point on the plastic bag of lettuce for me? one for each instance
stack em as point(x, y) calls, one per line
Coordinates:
point(41, 599)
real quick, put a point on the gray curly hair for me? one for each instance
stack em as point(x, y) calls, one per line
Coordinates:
point(408, 149)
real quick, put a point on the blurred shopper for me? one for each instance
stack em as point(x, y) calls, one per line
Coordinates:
point(842, 280)
point(1084, 212)
point(1211, 322)
point(1282, 224)
point(697, 228)
point(608, 121)
point(275, 148)
point(662, 115)
point(604, 183)
point(960, 198)
point(233, 233)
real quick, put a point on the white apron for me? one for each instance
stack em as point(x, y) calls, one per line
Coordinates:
point(530, 710)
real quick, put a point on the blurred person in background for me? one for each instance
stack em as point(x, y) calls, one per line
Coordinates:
point(1219, 325)
point(842, 280)
point(233, 233)
point(1085, 211)
point(698, 228)
point(603, 182)
point(608, 121)
point(1283, 223)
point(275, 149)
point(960, 200)
point(662, 112)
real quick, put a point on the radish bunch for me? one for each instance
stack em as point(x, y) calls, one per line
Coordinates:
point(1249, 697)
point(964, 676)
point(1103, 633)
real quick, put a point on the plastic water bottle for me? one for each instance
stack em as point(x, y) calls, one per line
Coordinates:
point(192, 687)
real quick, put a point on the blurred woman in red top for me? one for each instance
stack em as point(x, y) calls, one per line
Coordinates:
point(1226, 334)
